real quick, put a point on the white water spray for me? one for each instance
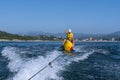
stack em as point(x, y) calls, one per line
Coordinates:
point(25, 69)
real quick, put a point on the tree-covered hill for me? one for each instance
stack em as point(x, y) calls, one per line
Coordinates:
point(9, 36)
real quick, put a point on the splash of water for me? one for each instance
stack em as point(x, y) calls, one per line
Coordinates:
point(14, 58)
point(25, 69)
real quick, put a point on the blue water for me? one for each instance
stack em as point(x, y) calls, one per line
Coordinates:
point(91, 61)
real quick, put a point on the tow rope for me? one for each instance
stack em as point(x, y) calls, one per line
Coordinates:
point(49, 64)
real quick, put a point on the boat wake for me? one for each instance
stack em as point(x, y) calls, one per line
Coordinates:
point(23, 68)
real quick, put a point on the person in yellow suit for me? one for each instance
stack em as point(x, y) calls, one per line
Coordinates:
point(70, 37)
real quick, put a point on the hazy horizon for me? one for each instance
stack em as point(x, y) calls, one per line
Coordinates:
point(37, 32)
point(54, 16)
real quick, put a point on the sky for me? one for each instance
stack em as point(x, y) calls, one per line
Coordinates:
point(82, 16)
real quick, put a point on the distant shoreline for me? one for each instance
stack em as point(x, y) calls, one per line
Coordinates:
point(30, 41)
point(49, 41)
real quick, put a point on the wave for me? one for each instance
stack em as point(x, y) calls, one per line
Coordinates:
point(14, 58)
point(24, 69)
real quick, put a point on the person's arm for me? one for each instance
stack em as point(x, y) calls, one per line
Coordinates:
point(64, 41)
point(73, 42)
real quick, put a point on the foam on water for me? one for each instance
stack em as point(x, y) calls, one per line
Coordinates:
point(15, 59)
point(26, 68)
point(83, 57)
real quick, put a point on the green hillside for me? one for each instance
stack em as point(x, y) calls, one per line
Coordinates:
point(9, 36)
